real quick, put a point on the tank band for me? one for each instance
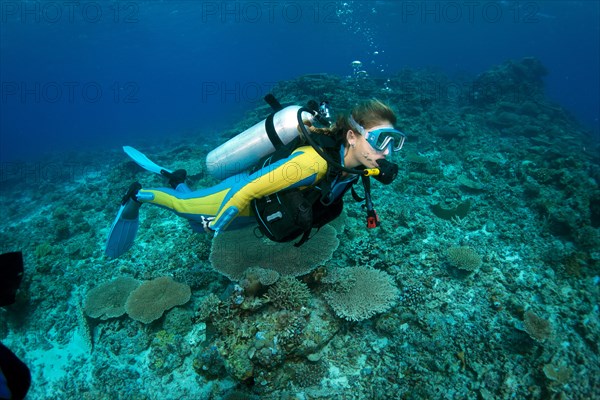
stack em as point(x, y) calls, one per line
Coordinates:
point(271, 133)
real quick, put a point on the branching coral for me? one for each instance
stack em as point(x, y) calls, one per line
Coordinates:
point(464, 257)
point(289, 293)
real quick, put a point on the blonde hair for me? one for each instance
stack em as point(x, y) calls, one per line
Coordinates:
point(368, 113)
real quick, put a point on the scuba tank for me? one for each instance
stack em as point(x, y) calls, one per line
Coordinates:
point(243, 151)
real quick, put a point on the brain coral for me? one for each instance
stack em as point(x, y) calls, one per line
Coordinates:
point(108, 299)
point(360, 292)
point(233, 252)
point(152, 298)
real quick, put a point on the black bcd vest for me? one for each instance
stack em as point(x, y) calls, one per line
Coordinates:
point(286, 215)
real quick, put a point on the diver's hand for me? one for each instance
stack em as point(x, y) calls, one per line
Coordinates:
point(206, 224)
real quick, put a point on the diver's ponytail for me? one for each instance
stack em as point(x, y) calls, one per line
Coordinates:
point(336, 131)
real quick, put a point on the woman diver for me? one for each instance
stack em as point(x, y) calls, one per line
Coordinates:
point(297, 188)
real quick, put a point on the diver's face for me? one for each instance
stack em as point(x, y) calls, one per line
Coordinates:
point(362, 153)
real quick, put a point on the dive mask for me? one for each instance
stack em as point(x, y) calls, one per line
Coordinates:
point(380, 139)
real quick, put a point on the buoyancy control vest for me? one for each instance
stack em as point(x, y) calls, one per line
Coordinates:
point(286, 215)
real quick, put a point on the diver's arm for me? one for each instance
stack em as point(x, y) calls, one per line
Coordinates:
point(304, 167)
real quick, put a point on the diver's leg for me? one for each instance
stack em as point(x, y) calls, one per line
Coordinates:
point(195, 206)
point(177, 182)
point(187, 204)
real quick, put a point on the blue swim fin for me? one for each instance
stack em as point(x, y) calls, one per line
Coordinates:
point(176, 178)
point(124, 228)
point(140, 159)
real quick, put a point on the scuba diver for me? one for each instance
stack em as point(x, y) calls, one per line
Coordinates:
point(298, 184)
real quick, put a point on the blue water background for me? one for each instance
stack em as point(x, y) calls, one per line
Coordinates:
point(103, 74)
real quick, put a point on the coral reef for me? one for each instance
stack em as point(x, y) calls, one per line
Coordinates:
point(152, 298)
point(289, 294)
point(256, 279)
point(496, 168)
point(358, 293)
point(235, 251)
point(108, 299)
point(464, 257)
point(537, 327)
point(453, 213)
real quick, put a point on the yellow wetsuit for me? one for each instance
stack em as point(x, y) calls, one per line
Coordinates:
point(230, 200)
